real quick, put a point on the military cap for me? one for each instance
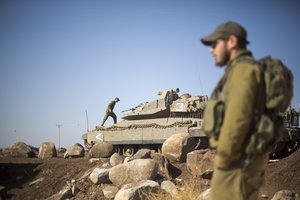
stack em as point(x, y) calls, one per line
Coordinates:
point(224, 30)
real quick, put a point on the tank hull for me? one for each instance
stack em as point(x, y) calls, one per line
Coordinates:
point(146, 132)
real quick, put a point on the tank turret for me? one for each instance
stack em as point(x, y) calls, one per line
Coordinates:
point(169, 104)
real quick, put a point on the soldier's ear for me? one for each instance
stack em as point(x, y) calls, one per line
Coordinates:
point(232, 42)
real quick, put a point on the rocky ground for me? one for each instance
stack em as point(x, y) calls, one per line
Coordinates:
point(36, 178)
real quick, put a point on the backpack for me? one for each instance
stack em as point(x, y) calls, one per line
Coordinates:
point(278, 81)
point(267, 125)
point(268, 122)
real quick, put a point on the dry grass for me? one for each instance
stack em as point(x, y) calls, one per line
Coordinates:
point(188, 191)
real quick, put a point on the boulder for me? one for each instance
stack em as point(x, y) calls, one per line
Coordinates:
point(137, 191)
point(204, 195)
point(142, 153)
point(68, 191)
point(200, 162)
point(75, 151)
point(101, 150)
point(99, 175)
point(116, 159)
point(109, 191)
point(177, 146)
point(133, 172)
point(284, 195)
point(163, 164)
point(21, 149)
point(170, 188)
point(47, 150)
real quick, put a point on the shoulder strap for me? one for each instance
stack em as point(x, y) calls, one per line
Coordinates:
point(260, 107)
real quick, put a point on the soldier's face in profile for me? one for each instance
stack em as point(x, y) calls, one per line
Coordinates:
point(220, 53)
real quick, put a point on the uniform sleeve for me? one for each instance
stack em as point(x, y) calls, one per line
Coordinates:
point(242, 94)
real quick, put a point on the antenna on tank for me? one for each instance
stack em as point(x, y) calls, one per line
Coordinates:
point(87, 121)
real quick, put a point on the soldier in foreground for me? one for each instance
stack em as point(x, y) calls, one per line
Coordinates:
point(110, 111)
point(230, 116)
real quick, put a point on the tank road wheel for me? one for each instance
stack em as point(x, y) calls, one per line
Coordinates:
point(117, 149)
point(128, 150)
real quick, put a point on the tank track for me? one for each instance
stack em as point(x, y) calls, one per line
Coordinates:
point(187, 123)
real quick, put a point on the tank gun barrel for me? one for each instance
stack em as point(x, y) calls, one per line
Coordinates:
point(130, 109)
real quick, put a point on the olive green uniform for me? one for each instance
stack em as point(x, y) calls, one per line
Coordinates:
point(235, 175)
point(109, 112)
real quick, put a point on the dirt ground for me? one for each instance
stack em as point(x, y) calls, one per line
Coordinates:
point(18, 174)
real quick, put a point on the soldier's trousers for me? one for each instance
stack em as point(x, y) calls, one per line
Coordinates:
point(239, 183)
point(112, 114)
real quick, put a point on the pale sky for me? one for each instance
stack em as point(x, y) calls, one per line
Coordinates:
point(59, 59)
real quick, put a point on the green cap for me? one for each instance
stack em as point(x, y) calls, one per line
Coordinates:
point(224, 30)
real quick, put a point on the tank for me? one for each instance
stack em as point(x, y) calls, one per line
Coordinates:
point(149, 124)
point(290, 139)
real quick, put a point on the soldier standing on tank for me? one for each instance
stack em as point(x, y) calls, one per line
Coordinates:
point(109, 111)
point(235, 176)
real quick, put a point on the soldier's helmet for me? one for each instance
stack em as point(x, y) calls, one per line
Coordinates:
point(117, 99)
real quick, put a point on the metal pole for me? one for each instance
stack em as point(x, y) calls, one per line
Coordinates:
point(59, 125)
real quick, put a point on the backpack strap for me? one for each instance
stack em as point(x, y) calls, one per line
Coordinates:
point(260, 108)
